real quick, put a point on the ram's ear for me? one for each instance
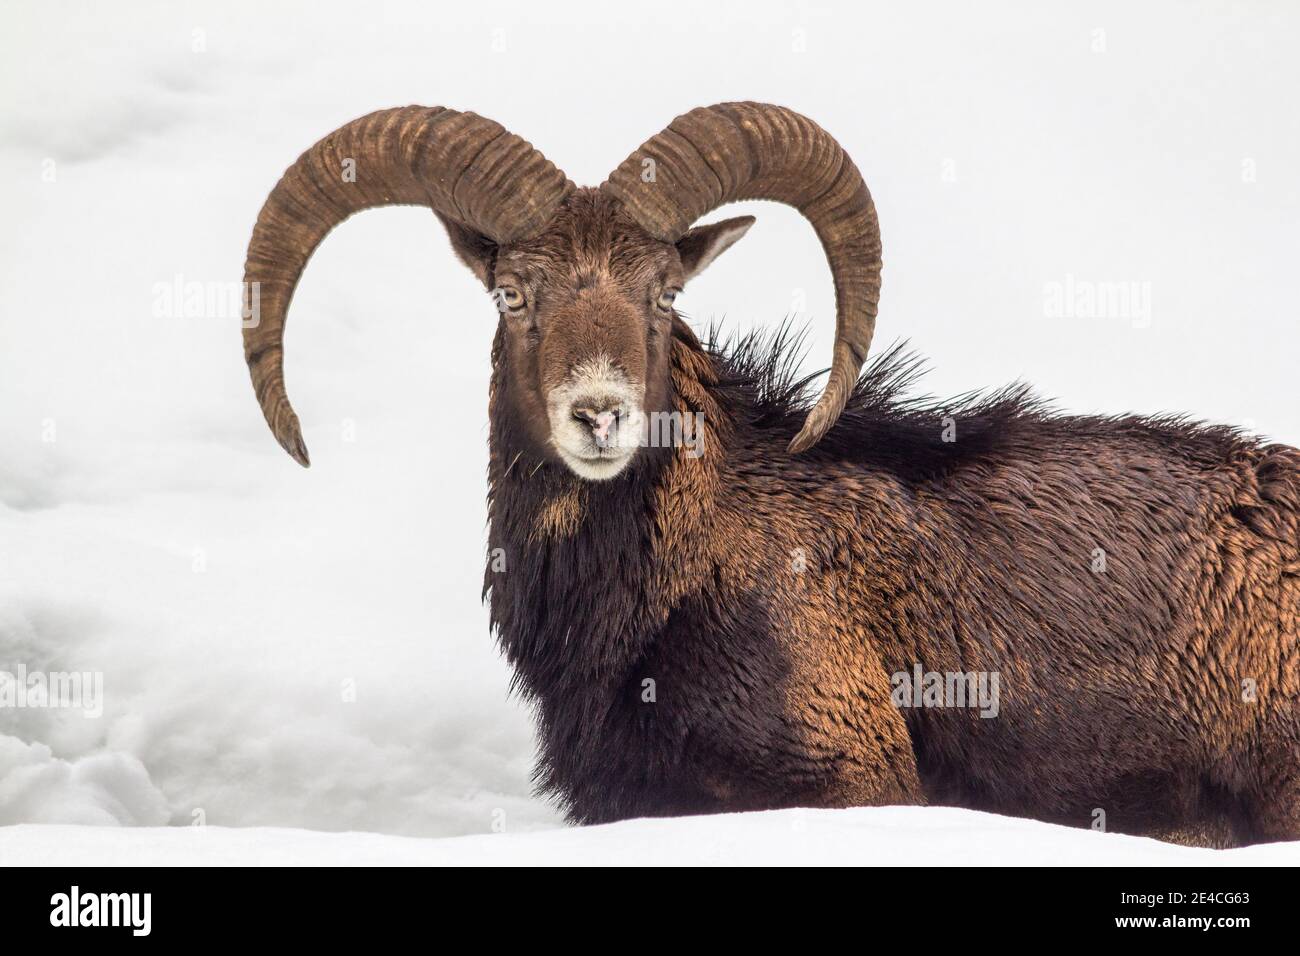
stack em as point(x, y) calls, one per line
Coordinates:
point(703, 244)
point(472, 248)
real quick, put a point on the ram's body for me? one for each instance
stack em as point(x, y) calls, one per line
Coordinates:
point(733, 622)
point(1134, 584)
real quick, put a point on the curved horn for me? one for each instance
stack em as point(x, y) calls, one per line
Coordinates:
point(462, 166)
point(719, 154)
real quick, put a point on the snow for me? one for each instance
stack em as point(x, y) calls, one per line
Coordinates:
point(289, 649)
point(883, 836)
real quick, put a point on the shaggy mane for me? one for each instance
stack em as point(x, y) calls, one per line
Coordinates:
point(885, 424)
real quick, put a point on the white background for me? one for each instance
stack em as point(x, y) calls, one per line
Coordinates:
point(150, 527)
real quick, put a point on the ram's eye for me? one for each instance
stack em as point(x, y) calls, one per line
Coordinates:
point(666, 299)
point(508, 298)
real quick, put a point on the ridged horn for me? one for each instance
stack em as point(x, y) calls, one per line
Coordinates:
point(732, 151)
point(462, 166)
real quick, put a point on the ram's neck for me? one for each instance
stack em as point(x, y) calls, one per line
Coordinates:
point(581, 576)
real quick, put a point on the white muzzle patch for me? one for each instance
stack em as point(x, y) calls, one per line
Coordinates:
point(596, 419)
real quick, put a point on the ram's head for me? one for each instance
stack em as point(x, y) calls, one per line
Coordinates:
point(583, 279)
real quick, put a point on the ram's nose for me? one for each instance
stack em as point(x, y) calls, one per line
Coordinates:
point(601, 421)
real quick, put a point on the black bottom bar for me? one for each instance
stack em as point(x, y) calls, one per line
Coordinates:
point(911, 906)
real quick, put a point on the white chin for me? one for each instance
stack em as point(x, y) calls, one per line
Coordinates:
point(595, 469)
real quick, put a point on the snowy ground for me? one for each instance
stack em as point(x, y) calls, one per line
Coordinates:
point(885, 836)
point(290, 649)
